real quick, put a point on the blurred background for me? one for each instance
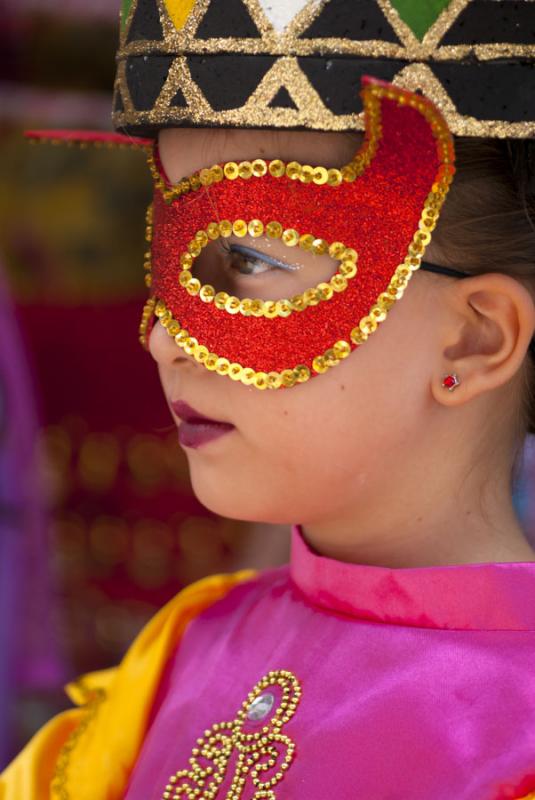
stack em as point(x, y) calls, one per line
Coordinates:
point(98, 524)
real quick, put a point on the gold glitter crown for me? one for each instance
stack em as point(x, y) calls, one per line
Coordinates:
point(297, 64)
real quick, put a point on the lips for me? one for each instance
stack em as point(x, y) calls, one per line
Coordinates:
point(196, 429)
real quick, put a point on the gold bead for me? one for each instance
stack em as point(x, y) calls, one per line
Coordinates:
point(184, 277)
point(257, 307)
point(319, 247)
point(311, 297)
point(349, 254)
point(220, 299)
point(320, 175)
point(377, 313)
point(338, 282)
point(334, 177)
point(202, 238)
point(277, 168)
point(217, 172)
point(290, 237)
point(225, 228)
point(348, 173)
point(206, 177)
point(336, 250)
point(186, 260)
point(160, 308)
point(305, 241)
point(284, 308)
point(232, 305)
point(222, 366)
point(247, 376)
point(207, 293)
point(288, 377)
point(302, 373)
point(193, 286)
point(326, 291)
point(200, 353)
point(358, 336)
point(348, 269)
point(307, 173)
point(148, 279)
point(231, 170)
point(270, 309)
point(245, 306)
point(259, 167)
point(194, 248)
point(293, 170)
point(330, 357)
point(367, 325)
point(190, 344)
point(212, 229)
point(235, 371)
point(195, 182)
point(261, 380)
point(256, 227)
point(298, 302)
point(318, 364)
point(342, 349)
point(245, 169)
point(274, 230)
point(274, 380)
point(239, 227)
point(210, 361)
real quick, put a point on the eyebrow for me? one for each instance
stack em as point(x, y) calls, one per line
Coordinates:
point(249, 251)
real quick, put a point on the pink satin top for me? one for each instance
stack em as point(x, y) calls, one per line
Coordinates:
point(324, 680)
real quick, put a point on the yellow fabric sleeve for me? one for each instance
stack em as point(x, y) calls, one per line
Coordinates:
point(87, 753)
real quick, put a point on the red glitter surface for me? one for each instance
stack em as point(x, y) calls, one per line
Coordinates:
point(377, 215)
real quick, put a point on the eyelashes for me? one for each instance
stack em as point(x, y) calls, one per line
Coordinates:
point(250, 255)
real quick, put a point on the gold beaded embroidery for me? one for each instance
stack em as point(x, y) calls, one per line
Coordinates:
point(257, 751)
point(274, 230)
point(377, 313)
point(94, 698)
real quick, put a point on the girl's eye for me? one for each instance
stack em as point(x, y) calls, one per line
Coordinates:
point(247, 264)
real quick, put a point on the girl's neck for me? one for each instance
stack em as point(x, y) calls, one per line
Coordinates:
point(455, 532)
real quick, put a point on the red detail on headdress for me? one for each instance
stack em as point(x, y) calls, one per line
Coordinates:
point(87, 137)
point(377, 215)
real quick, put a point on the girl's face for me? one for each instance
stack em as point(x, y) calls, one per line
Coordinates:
point(341, 441)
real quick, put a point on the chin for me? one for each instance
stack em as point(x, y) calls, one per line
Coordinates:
point(240, 505)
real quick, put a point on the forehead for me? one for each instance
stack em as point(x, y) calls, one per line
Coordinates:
point(185, 150)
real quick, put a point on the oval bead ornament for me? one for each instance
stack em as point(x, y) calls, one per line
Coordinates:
point(383, 206)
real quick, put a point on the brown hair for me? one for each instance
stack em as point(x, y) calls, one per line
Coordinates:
point(487, 224)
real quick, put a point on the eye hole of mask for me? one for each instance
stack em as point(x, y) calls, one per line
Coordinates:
point(260, 267)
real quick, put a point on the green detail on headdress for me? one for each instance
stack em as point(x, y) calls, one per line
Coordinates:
point(418, 15)
point(125, 10)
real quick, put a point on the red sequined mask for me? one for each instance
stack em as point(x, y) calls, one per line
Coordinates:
point(373, 218)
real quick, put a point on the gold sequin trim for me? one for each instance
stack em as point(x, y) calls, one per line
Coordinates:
point(385, 300)
point(267, 308)
point(257, 752)
point(59, 785)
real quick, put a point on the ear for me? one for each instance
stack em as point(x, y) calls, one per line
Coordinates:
point(493, 316)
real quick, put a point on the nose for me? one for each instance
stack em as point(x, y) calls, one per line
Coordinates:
point(164, 349)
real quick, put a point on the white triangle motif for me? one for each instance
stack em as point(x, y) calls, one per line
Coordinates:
point(281, 12)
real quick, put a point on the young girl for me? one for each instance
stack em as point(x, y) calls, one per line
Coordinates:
point(381, 401)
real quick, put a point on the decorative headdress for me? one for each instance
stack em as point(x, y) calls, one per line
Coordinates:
point(410, 74)
point(299, 63)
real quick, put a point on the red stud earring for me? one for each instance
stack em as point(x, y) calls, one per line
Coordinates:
point(450, 382)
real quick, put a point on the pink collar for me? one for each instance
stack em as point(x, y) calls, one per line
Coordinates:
point(488, 596)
